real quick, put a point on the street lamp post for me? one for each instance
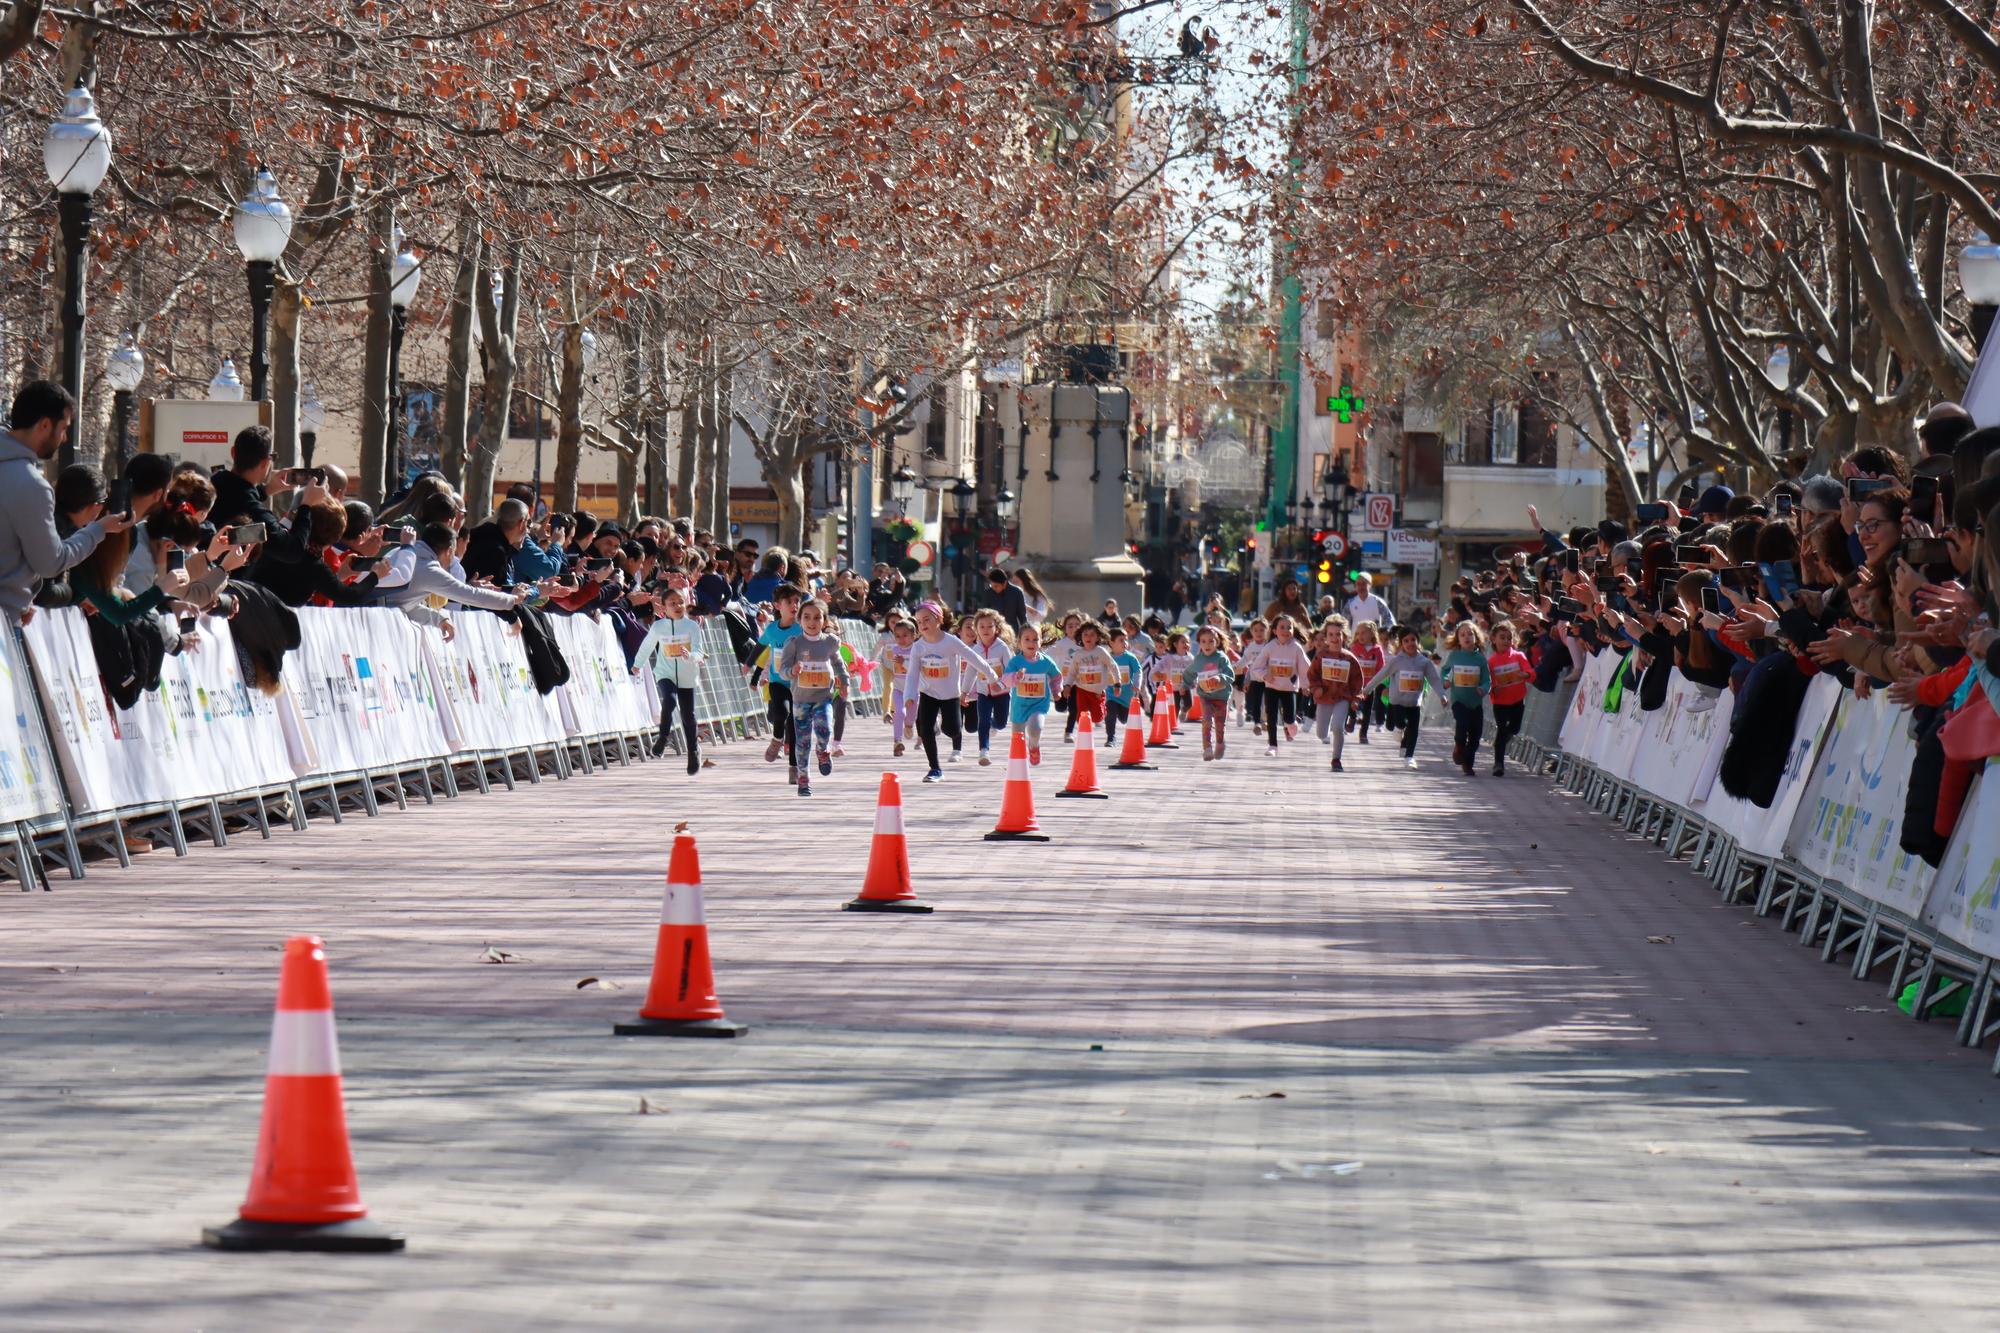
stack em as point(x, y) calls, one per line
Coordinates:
point(263, 230)
point(1778, 370)
point(903, 486)
point(227, 386)
point(125, 367)
point(1336, 490)
point(312, 416)
point(406, 273)
point(1979, 275)
point(76, 153)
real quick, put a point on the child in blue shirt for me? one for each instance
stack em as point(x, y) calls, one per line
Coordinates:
point(1126, 686)
point(782, 630)
point(1034, 680)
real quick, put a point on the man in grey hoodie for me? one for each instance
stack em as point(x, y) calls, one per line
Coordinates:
point(30, 549)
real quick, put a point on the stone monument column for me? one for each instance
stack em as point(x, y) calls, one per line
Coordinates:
point(1073, 526)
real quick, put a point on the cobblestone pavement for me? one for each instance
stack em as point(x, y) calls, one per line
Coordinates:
point(1558, 1121)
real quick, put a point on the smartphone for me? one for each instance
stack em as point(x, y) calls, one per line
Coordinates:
point(1651, 513)
point(176, 560)
point(1782, 502)
point(1607, 583)
point(1572, 560)
point(187, 624)
point(1687, 496)
point(1569, 606)
point(1711, 599)
point(1923, 498)
point(402, 536)
point(299, 476)
point(1860, 488)
point(247, 534)
point(1741, 576)
point(598, 562)
point(1923, 551)
point(1691, 555)
point(119, 501)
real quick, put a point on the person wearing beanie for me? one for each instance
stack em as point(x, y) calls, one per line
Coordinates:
point(1714, 501)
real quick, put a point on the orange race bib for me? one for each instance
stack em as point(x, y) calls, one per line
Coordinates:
point(1333, 668)
point(814, 675)
point(1124, 675)
point(1507, 673)
point(1409, 682)
point(935, 669)
point(1209, 680)
point(1465, 677)
point(899, 666)
point(1090, 678)
point(1280, 671)
point(674, 647)
point(1032, 687)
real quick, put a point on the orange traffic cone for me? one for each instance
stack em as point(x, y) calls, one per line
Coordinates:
point(1134, 753)
point(1163, 721)
point(1083, 767)
point(303, 1195)
point(1017, 800)
point(681, 1000)
point(887, 887)
point(1194, 708)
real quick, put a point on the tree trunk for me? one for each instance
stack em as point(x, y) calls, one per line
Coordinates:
point(785, 474)
point(701, 411)
point(690, 423)
point(286, 308)
point(628, 482)
point(569, 430)
point(497, 391)
point(373, 483)
point(458, 356)
point(722, 424)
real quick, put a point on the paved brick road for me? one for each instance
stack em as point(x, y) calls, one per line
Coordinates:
point(1450, 979)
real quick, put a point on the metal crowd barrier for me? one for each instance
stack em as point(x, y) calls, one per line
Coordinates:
point(1824, 914)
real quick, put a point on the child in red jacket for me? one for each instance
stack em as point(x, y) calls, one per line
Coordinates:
point(1511, 674)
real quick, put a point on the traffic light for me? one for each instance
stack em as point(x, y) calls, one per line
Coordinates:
point(1250, 542)
point(1324, 573)
point(1319, 536)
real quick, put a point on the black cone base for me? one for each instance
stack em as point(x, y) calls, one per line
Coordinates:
point(697, 1027)
point(997, 836)
point(886, 905)
point(359, 1236)
point(1147, 768)
point(1088, 795)
point(1162, 745)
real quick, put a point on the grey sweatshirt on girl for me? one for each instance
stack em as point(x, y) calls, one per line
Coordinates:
point(1406, 674)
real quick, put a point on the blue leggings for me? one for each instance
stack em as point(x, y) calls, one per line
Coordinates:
point(992, 713)
point(814, 723)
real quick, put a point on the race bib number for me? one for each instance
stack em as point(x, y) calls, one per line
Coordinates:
point(1090, 678)
point(674, 647)
point(1507, 674)
point(1280, 671)
point(1032, 687)
point(937, 670)
point(900, 666)
point(815, 675)
point(1333, 668)
point(1409, 682)
point(1210, 680)
point(1124, 675)
point(1465, 677)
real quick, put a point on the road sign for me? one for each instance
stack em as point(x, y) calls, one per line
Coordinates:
point(1412, 548)
point(921, 552)
point(1002, 555)
point(1381, 511)
point(1335, 545)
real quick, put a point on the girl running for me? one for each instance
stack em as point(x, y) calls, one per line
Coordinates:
point(1405, 671)
point(1251, 664)
point(1336, 684)
point(1210, 675)
point(1367, 650)
point(1470, 679)
point(1511, 673)
point(671, 651)
point(894, 655)
point(1034, 680)
point(1171, 665)
point(1088, 676)
point(992, 642)
point(934, 664)
point(1285, 666)
point(811, 660)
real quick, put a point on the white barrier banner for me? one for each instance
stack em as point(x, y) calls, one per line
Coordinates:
point(29, 788)
point(489, 691)
point(601, 694)
point(1849, 827)
point(200, 733)
point(1615, 744)
point(1761, 830)
point(1586, 707)
point(1964, 905)
point(365, 695)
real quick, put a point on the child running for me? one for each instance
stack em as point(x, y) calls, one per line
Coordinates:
point(1406, 670)
point(992, 642)
point(1171, 665)
point(1088, 676)
point(1336, 684)
point(934, 662)
point(1034, 680)
point(894, 655)
point(811, 659)
point(1511, 673)
point(1250, 663)
point(785, 599)
point(1285, 667)
point(1209, 676)
point(1367, 650)
point(1124, 685)
point(1471, 680)
point(669, 650)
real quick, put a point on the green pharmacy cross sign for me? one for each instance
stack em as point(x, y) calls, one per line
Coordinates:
point(1346, 403)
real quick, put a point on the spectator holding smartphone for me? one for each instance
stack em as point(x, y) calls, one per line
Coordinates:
point(30, 547)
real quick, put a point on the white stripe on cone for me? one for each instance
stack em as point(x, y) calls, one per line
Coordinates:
point(302, 1042)
point(1017, 769)
point(682, 906)
point(888, 819)
point(1089, 741)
